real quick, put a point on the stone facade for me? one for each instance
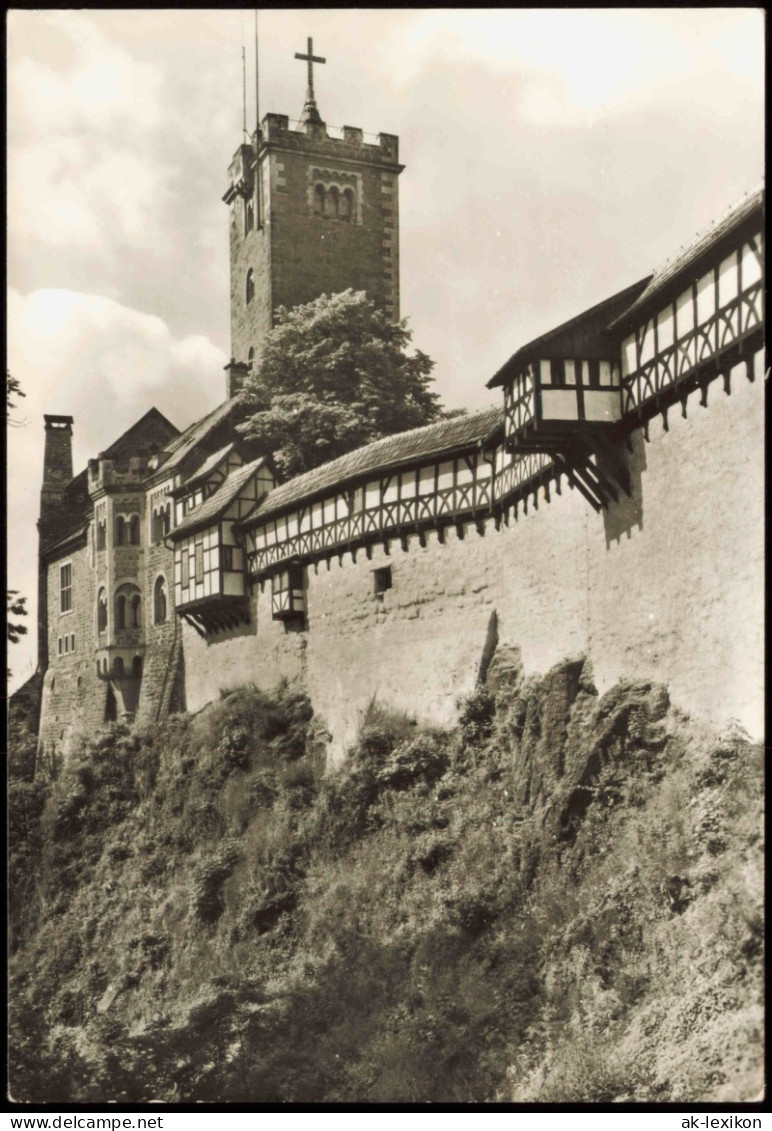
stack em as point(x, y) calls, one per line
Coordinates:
point(327, 219)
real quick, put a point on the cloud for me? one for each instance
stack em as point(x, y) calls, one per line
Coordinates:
point(104, 364)
point(86, 166)
point(574, 65)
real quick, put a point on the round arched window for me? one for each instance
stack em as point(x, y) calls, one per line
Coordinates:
point(159, 600)
point(250, 285)
point(102, 611)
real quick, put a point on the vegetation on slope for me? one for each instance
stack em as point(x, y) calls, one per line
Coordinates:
point(560, 900)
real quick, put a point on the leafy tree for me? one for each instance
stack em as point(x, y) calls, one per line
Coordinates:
point(12, 389)
point(16, 606)
point(336, 374)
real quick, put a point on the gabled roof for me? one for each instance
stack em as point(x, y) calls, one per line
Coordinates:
point(153, 424)
point(391, 452)
point(584, 335)
point(689, 260)
point(205, 470)
point(212, 507)
point(174, 453)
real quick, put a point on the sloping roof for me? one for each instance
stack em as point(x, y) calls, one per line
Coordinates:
point(65, 543)
point(206, 469)
point(687, 257)
point(392, 451)
point(152, 418)
point(173, 454)
point(584, 335)
point(222, 498)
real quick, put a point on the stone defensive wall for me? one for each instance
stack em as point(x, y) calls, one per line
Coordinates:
point(666, 583)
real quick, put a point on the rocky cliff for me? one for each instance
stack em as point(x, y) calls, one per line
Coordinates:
point(558, 900)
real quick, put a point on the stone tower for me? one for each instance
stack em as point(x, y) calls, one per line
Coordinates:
point(312, 211)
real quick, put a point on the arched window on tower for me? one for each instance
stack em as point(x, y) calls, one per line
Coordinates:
point(120, 611)
point(251, 356)
point(120, 530)
point(101, 535)
point(136, 667)
point(347, 205)
point(118, 666)
point(250, 285)
point(102, 611)
point(249, 215)
point(331, 204)
point(136, 619)
point(159, 600)
point(134, 530)
point(319, 200)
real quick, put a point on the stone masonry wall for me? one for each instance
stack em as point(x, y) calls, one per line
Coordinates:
point(162, 654)
point(669, 583)
point(73, 697)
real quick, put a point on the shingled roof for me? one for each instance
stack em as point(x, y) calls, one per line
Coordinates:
point(584, 335)
point(212, 507)
point(687, 259)
point(173, 454)
point(391, 452)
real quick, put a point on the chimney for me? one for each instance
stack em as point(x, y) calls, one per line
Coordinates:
point(57, 462)
point(54, 518)
point(237, 372)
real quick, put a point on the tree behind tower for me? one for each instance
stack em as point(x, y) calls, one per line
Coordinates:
point(336, 374)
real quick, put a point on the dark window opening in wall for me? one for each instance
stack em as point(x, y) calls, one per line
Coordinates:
point(319, 200)
point(227, 557)
point(249, 216)
point(159, 600)
point(65, 588)
point(102, 611)
point(347, 205)
point(135, 611)
point(118, 666)
point(60, 645)
point(72, 642)
point(136, 667)
point(594, 374)
point(120, 530)
point(111, 707)
point(381, 580)
point(250, 285)
point(250, 356)
point(331, 207)
point(167, 519)
point(101, 535)
point(134, 530)
point(120, 611)
point(66, 645)
point(558, 372)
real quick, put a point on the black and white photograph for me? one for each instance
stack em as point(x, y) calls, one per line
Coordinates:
point(385, 558)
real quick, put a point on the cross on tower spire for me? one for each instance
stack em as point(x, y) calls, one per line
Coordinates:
point(310, 110)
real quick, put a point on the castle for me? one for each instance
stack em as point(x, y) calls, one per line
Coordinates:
point(611, 505)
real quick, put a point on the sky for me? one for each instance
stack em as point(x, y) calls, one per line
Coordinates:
point(552, 158)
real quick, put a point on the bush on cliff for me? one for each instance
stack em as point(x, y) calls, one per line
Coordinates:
point(560, 900)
